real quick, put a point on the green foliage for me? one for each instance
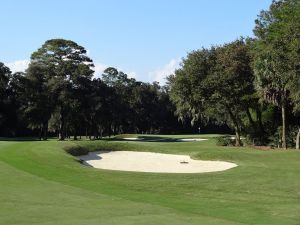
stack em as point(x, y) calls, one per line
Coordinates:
point(5, 74)
point(215, 83)
point(224, 141)
point(62, 71)
point(225, 83)
point(277, 58)
point(187, 89)
point(290, 140)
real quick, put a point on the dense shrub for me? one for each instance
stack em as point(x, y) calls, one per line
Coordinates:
point(249, 140)
point(290, 138)
point(224, 141)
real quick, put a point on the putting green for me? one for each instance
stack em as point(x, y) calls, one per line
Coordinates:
point(42, 184)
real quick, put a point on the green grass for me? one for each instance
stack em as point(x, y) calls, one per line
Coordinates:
point(41, 184)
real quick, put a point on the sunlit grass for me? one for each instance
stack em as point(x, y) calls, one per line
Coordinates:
point(42, 184)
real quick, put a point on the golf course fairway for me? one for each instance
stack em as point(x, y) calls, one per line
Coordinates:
point(40, 183)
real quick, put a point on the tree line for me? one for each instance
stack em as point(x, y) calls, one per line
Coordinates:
point(251, 84)
point(58, 93)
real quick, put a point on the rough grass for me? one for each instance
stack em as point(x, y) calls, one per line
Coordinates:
point(42, 184)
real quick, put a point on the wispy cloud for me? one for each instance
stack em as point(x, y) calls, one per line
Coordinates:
point(18, 65)
point(161, 73)
point(99, 69)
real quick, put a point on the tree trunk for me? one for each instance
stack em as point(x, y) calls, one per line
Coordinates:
point(41, 132)
point(283, 138)
point(236, 127)
point(75, 136)
point(114, 130)
point(90, 131)
point(259, 120)
point(62, 126)
point(237, 137)
point(251, 120)
point(109, 130)
point(298, 140)
point(45, 131)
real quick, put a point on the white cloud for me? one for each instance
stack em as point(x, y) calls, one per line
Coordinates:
point(99, 68)
point(18, 65)
point(161, 73)
point(132, 74)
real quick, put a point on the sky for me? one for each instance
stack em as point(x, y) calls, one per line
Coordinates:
point(144, 38)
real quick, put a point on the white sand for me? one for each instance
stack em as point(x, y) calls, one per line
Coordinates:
point(133, 139)
point(183, 139)
point(192, 139)
point(152, 162)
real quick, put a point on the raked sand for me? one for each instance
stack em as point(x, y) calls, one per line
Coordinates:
point(152, 162)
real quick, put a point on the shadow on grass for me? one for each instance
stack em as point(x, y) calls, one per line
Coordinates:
point(20, 139)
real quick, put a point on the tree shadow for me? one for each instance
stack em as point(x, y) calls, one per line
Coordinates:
point(90, 156)
point(21, 139)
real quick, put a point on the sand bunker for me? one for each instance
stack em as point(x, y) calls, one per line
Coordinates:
point(133, 139)
point(192, 139)
point(182, 139)
point(152, 162)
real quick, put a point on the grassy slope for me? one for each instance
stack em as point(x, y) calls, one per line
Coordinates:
point(41, 184)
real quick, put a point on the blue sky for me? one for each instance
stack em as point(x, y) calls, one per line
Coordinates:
point(145, 38)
